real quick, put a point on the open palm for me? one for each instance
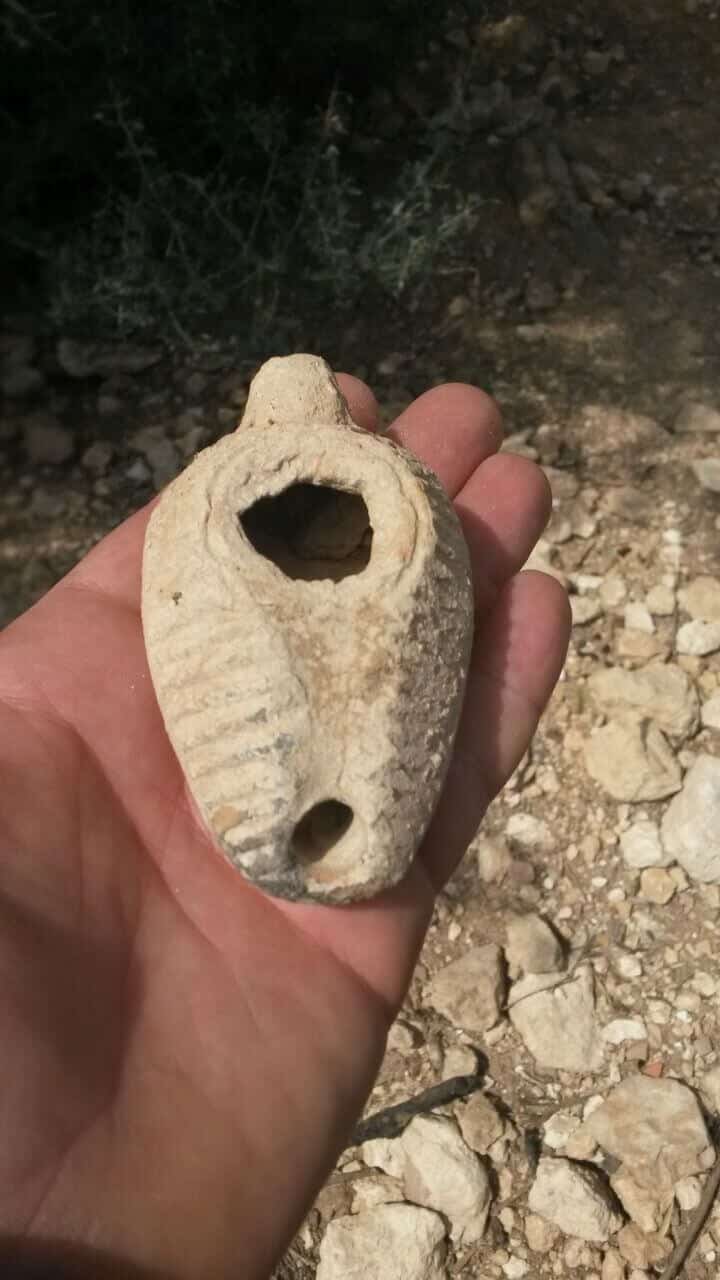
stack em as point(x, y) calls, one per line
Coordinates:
point(183, 1056)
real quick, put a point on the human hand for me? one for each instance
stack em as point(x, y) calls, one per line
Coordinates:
point(184, 1057)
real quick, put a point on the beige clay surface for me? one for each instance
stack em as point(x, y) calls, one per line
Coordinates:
point(307, 609)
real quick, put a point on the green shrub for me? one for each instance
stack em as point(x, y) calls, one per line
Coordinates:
point(167, 160)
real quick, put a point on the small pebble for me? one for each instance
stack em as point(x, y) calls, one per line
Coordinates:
point(698, 638)
point(585, 609)
point(638, 618)
point(710, 712)
point(628, 966)
point(657, 885)
point(660, 600)
point(612, 591)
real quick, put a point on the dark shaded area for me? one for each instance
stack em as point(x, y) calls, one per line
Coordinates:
point(96, 94)
point(311, 531)
point(320, 830)
point(58, 1260)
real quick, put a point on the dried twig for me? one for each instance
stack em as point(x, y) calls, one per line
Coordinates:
point(681, 1252)
point(391, 1121)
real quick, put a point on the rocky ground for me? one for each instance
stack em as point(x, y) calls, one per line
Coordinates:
point(573, 964)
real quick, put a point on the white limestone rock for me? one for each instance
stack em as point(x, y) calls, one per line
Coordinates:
point(701, 598)
point(442, 1173)
point(632, 761)
point(554, 1016)
point(388, 1242)
point(436, 1168)
point(655, 1128)
point(575, 1198)
point(641, 846)
point(661, 692)
point(698, 638)
point(707, 473)
point(691, 825)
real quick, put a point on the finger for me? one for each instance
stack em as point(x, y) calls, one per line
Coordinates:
point(361, 402)
point(517, 658)
point(452, 429)
point(503, 509)
point(112, 568)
